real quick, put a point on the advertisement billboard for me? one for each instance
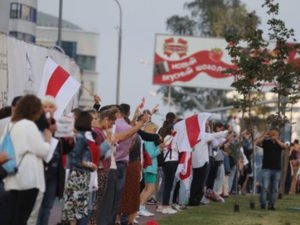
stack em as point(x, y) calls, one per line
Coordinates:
point(191, 62)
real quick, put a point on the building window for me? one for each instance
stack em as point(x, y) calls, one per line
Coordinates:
point(92, 86)
point(33, 15)
point(86, 62)
point(70, 48)
point(15, 10)
point(26, 12)
point(23, 36)
point(22, 11)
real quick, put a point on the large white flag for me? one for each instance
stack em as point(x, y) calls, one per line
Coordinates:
point(188, 134)
point(58, 83)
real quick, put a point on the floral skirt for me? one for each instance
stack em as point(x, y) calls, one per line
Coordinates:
point(76, 196)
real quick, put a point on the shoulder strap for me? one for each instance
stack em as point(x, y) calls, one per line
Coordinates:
point(8, 128)
point(167, 154)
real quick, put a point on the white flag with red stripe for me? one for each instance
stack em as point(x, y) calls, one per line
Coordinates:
point(188, 134)
point(58, 83)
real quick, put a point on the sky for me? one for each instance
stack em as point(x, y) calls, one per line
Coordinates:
point(142, 19)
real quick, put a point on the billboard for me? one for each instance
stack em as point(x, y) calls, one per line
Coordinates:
point(191, 62)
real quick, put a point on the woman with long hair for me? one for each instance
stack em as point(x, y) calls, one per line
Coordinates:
point(31, 148)
point(76, 194)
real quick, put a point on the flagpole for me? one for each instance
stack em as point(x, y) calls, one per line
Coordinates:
point(87, 90)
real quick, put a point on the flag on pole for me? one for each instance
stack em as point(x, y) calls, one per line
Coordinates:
point(188, 134)
point(58, 83)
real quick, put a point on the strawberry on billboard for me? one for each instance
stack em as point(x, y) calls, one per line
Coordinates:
point(191, 61)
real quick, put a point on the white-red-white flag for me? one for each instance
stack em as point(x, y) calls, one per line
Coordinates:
point(188, 134)
point(184, 169)
point(58, 83)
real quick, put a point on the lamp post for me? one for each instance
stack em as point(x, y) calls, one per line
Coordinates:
point(119, 52)
point(59, 22)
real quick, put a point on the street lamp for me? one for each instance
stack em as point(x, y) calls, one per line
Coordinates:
point(59, 22)
point(119, 52)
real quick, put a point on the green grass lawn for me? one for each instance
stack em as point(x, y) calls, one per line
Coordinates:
point(222, 213)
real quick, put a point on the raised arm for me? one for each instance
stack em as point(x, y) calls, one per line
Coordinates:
point(282, 144)
point(258, 141)
point(124, 135)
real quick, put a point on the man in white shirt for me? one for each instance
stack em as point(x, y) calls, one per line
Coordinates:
point(200, 162)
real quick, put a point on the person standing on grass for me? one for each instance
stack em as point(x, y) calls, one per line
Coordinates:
point(200, 163)
point(271, 168)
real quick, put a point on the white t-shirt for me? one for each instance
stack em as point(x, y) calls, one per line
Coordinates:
point(113, 164)
point(201, 155)
point(170, 154)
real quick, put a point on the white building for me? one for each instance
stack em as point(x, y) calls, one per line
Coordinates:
point(78, 44)
point(18, 18)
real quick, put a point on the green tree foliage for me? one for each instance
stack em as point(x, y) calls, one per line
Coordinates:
point(209, 18)
point(257, 64)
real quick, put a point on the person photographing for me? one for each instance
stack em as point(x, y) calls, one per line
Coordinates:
point(271, 168)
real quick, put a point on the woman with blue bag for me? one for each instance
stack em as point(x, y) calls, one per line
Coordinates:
point(26, 176)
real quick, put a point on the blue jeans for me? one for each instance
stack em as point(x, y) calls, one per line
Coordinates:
point(270, 186)
point(121, 176)
point(184, 193)
point(231, 178)
point(48, 200)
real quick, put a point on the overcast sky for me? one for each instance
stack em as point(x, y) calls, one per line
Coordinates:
point(141, 20)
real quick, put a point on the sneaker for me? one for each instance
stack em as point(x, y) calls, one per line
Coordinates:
point(159, 208)
point(204, 201)
point(176, 207)
point(220, 199)
point(210, 194)
point(168, 210)
point(151, 201)
point(145, 212)
point(271, 208)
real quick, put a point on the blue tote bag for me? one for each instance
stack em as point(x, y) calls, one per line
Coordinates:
point(7, 146)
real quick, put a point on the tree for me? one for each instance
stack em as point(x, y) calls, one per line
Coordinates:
point(282, 71)
point(258, 64)
point(210, 18)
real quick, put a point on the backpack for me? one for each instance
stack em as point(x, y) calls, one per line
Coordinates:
point(7, 146)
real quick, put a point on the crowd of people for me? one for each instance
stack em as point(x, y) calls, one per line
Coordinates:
point(115, 164)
